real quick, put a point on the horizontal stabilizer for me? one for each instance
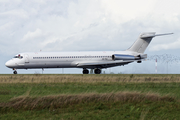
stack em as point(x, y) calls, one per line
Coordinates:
point(151, 35)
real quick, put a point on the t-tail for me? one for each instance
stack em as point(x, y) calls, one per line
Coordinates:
point(143, 41)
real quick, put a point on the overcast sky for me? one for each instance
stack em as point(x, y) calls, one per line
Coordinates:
point(89, 25)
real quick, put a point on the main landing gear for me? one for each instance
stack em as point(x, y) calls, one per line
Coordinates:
point(96, 71)
point(85, 71)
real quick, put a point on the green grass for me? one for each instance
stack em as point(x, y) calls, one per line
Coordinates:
point(8, 91)
point(103, 110)
point(23, 89)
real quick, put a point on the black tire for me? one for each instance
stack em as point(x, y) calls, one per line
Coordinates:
point(15, 72)
point(85, 71)
point(97, 71)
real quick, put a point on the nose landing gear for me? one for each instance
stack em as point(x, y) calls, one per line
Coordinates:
point(15, 72)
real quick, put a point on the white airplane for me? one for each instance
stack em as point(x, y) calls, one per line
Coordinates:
point(84, 60)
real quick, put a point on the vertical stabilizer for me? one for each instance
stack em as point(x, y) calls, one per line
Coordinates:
point(143, 41)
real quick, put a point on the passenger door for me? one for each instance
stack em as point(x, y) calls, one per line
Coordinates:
point(26, 58)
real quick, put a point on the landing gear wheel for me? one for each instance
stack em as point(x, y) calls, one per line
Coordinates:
point(15, 72)
point(85, 71)
point(97, 71)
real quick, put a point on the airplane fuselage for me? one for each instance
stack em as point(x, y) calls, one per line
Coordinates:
point(62, 59)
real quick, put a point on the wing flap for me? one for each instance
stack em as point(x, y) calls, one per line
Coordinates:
point(80, 64)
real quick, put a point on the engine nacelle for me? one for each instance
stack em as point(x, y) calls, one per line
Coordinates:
point(125, 57)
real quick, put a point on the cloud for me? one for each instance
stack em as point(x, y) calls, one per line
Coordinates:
point(167, 46)
point(31, 35)
point(20, 13)
point(83, 25)
point(122, 11)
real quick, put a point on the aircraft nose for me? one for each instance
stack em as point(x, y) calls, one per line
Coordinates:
point(9, 64)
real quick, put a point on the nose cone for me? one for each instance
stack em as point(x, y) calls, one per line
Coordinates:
point(9, 64)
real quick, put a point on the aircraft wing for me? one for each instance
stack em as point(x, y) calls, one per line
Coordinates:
point(104, 64)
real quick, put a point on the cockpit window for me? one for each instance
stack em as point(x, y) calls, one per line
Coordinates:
point(18, 56)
